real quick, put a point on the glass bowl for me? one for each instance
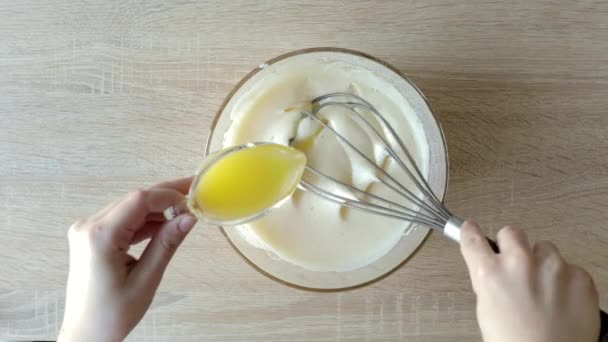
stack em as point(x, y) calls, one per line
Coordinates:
point(291, 274)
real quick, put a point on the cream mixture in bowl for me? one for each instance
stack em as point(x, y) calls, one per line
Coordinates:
point(310, 242)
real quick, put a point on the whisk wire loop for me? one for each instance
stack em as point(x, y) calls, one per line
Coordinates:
point(424, 206)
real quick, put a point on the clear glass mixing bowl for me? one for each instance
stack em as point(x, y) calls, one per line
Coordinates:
point(293, 275)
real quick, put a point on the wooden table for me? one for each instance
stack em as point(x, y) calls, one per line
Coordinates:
point(100, 97)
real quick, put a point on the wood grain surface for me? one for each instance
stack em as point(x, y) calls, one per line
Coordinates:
point(99, 97)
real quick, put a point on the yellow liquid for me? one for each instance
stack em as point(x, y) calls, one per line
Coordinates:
point(249, 181)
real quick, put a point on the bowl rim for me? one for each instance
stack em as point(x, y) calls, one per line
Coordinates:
point(286, 55)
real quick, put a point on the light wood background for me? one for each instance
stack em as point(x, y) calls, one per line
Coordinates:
point(99, 97)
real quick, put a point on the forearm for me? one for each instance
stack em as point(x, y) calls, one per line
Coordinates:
point(71, 333)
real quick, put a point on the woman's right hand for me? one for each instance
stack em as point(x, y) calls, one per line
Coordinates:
point(528, 294)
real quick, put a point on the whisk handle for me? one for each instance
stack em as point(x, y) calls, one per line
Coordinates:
point(452, 230)
point(603, 326)
point(493, 244)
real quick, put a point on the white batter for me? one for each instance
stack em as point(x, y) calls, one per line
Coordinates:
point(309, 231)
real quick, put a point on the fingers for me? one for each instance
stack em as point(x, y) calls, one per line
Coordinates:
point(126, 218)
point(155, 258)
point(147, 231)
point(583, 282)
point(513, 240)
point(114, 226)
point(544, 250)
point(103, 212)
point(156, 217)
point(549, 260)
point(474, 246)
point(555, 273)
point(181, 184)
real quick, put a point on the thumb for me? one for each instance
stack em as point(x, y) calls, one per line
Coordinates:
point(154, 260)
point(475, 248)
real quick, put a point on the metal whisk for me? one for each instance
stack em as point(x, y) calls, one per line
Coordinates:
point(431, 211)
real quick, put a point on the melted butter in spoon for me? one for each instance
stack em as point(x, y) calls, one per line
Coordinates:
point(248, 182)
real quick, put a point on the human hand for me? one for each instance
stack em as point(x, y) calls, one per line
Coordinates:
point(108, 290)
point(528, 294)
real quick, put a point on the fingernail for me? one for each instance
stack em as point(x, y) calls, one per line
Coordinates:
point(186, 223)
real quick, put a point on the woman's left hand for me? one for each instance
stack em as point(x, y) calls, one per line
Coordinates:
point(108, 290)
